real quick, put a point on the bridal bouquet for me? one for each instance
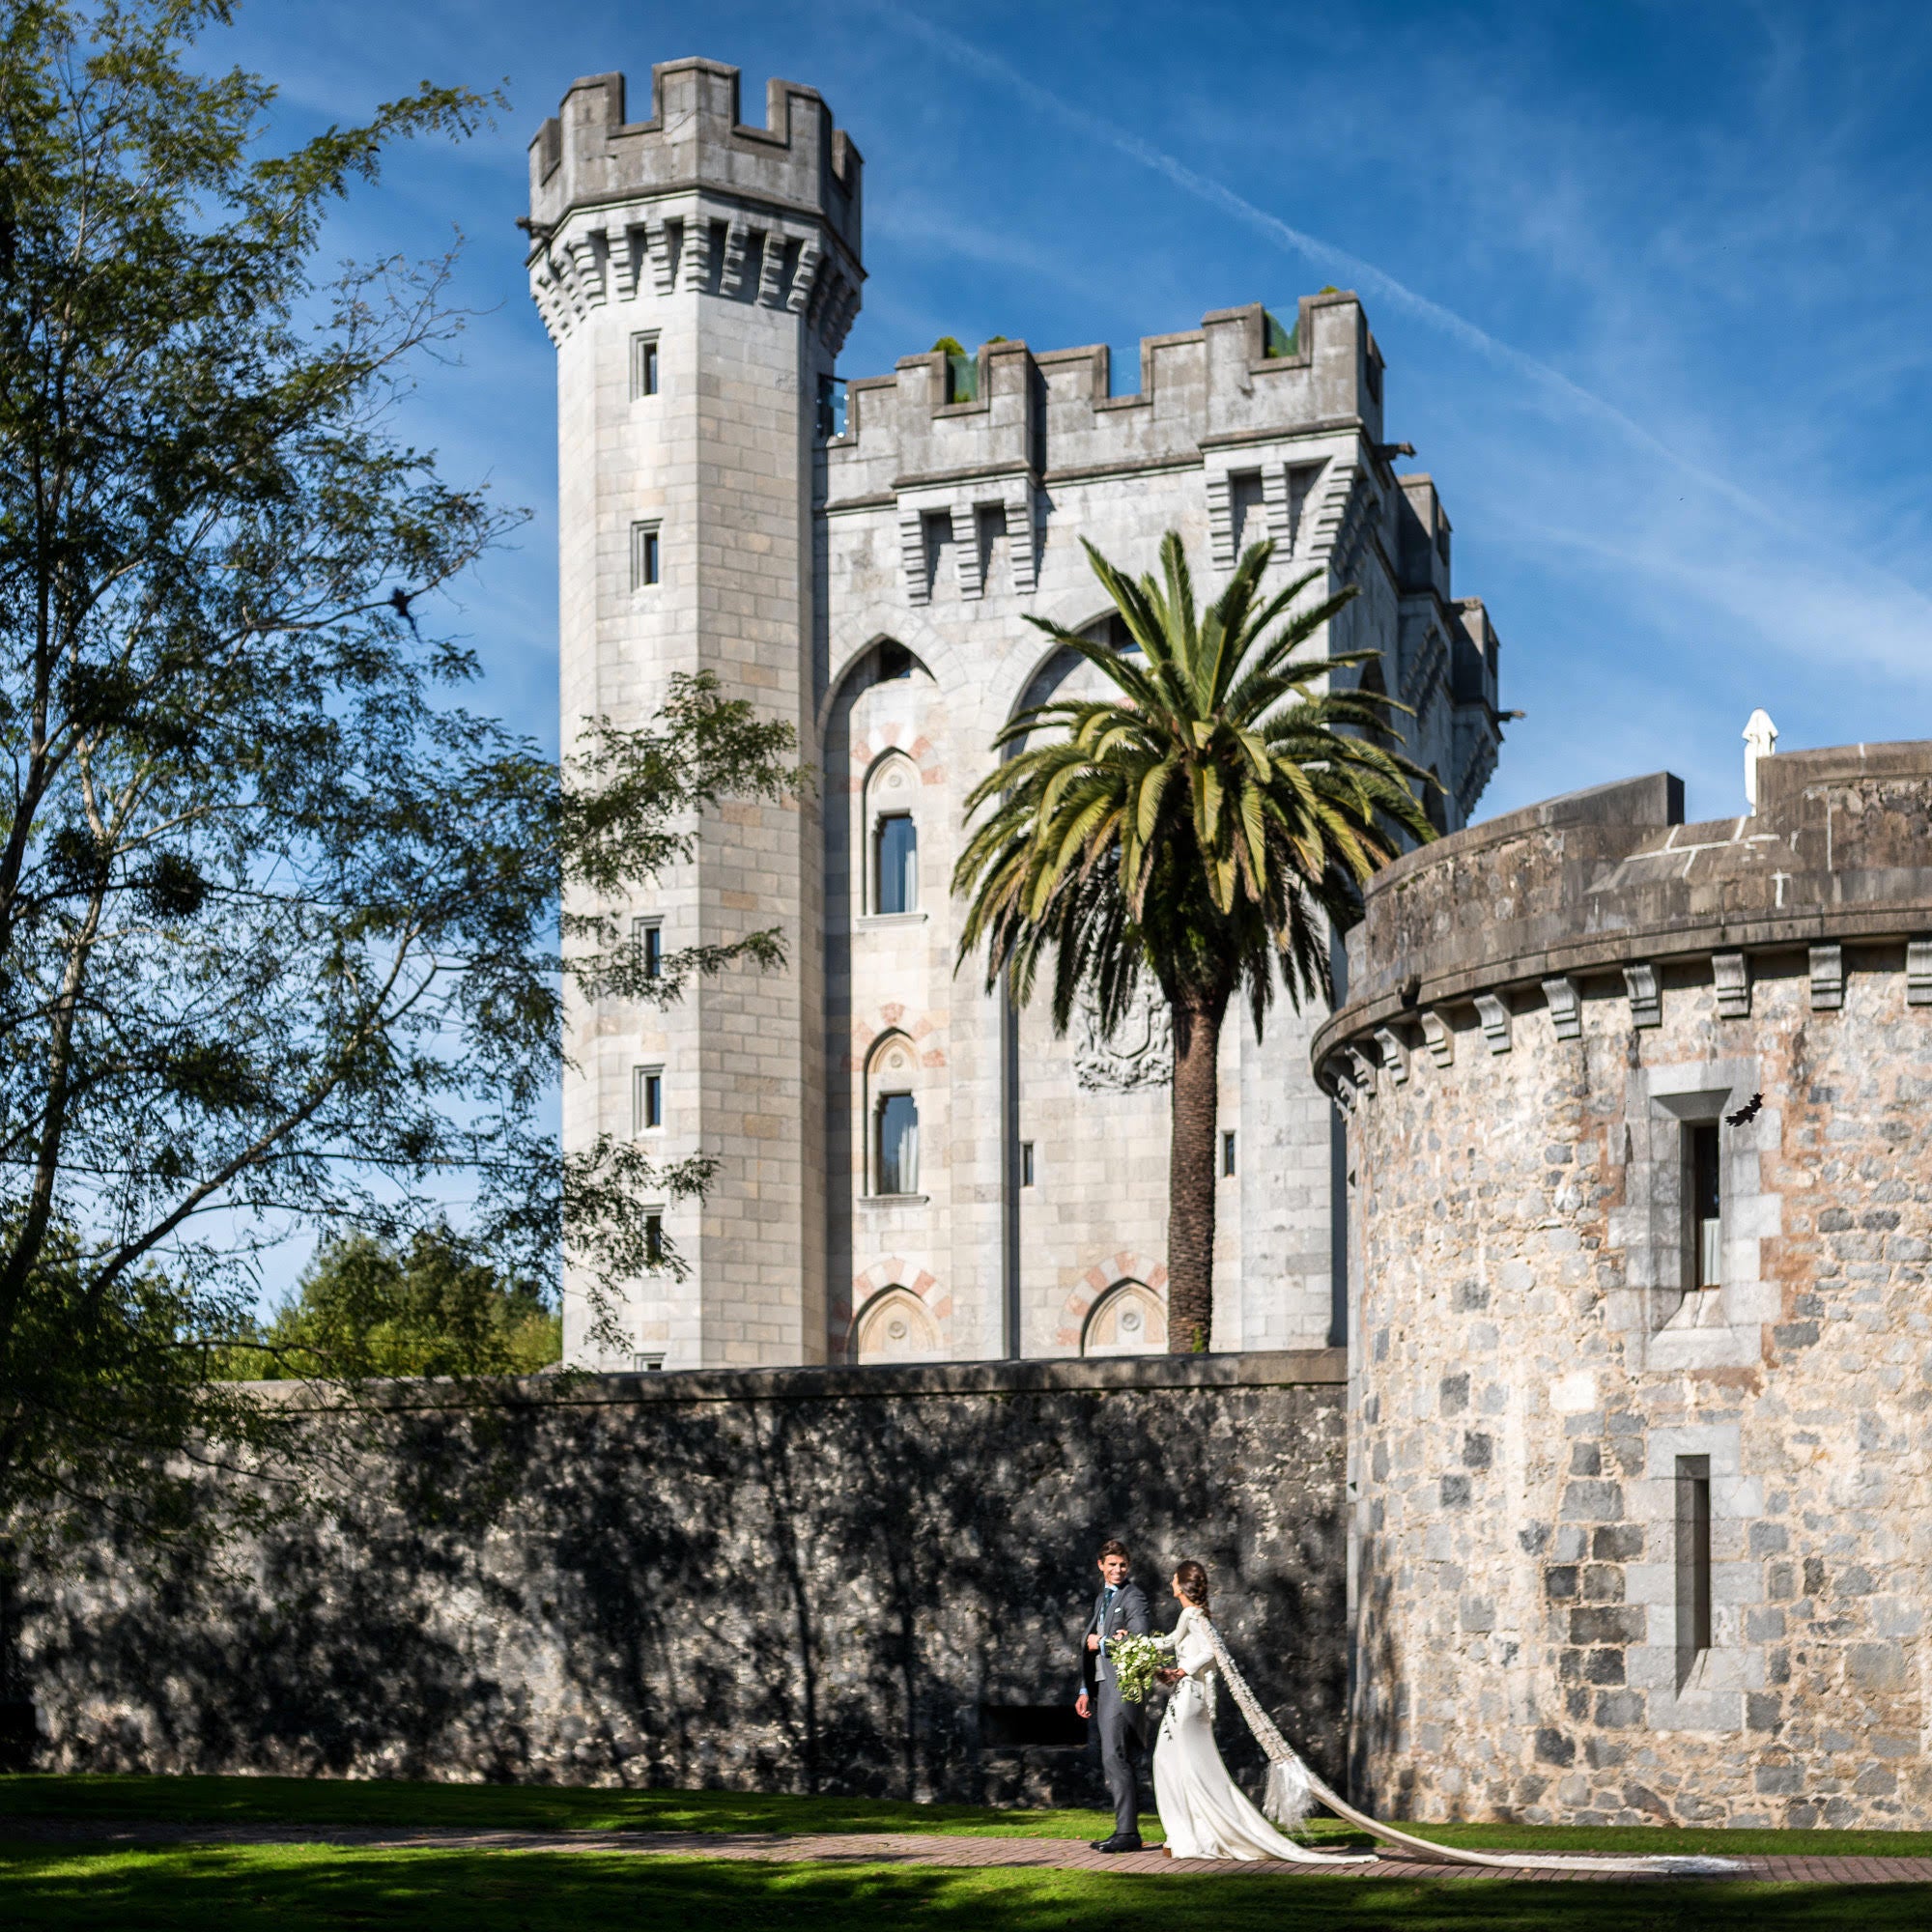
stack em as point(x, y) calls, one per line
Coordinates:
point(1137, 1663)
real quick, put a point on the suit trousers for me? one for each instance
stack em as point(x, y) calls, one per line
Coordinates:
point(1122, 1733)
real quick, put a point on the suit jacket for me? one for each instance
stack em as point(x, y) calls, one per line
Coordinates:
point(1129, 1614)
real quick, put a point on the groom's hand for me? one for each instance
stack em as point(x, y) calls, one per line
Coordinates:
point(1092, 1644)
point(1080, 1705)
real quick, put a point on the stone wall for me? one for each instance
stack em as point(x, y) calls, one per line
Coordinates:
point(1548, 1009)
point(864, 1580)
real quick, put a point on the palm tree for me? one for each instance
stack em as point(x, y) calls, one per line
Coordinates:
point(1203, 823)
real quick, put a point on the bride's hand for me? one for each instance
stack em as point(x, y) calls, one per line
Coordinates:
point(1170, 1676)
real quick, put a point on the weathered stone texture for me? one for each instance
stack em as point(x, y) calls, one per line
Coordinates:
point(807, 1580)
point(1535, 1357)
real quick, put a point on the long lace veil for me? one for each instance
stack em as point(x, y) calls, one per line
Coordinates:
point(1292, 1791)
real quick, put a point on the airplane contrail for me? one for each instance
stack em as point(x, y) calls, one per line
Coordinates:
point(1325, 254)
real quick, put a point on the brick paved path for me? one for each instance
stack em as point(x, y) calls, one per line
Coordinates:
point(904, 1848)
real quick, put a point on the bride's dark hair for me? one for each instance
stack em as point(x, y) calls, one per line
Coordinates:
point(1190, 1579)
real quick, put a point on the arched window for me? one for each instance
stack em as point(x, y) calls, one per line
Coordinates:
point(897, 1137)
point(892, 1134)
point(894, 1327)
point(1129, 1320)
point(891, 794)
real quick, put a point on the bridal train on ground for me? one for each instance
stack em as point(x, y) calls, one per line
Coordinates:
point(1206, 1815)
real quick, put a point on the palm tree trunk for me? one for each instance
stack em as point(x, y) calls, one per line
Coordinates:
point(1190, 1171)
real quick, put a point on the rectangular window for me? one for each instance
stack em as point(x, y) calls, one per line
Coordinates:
point(936, 527)
point(1246, 509)
point(831, 407)
point(989, 530)
point(898, 862)
point(643, 555)
point(649, 936)
point(1228, 1150)
point(1693, 1563)
point(647, 1365)
point(654, 1238)
point(648, 1100)
point(644, 365)
point(1705, 1191)
point(899, 1145)
point(1026, 1163)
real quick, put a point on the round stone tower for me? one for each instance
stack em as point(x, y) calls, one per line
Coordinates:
point(697, 277)
point(1638, 1115)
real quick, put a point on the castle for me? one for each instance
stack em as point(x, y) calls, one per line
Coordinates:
point(909, 1169)
point(1609, 1169)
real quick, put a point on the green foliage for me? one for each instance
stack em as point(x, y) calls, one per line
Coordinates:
point(278, 915)
point(1204, 823)
point(434, 1309)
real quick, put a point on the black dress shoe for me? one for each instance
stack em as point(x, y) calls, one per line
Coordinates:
point(1119, 1843)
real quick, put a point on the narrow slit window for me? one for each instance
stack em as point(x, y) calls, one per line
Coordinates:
point(1706, 1179)
point(644, 366)
point(1228, 1150)
point(644, 556)
point(1026, 1163)
point(654, 1238)
point(898, 862)
point(647, 1102)
point(899, 1145)
point(1693, 1564)
point(649, 934)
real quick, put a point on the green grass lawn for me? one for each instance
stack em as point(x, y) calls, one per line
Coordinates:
point(239, 1888)
point(382, 1802)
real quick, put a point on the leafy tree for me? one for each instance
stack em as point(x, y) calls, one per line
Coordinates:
point(1203, 823)
point(279, 931)
point(435, 1308)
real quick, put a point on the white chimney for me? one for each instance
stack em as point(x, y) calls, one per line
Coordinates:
point(1760, 741)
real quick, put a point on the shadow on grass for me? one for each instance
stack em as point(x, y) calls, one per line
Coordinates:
point(507, 1807)
point(588, 1892)
point(437, 1891)
point(405, 1804)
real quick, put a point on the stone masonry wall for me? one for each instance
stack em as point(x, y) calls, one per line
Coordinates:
point(1551, 1014)
point(1518, 1650)
point(848, 1581)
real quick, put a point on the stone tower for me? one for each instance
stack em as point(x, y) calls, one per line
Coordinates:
point(697, 276)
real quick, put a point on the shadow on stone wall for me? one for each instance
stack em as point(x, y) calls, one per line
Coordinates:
point(812, 1594)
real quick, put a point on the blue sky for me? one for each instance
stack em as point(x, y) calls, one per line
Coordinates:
point(1652, 283)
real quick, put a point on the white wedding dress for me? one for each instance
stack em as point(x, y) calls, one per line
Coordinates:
point(1206, 1815)
point(1202, 1810)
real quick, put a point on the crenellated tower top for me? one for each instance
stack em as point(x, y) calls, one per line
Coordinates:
point(693, 200)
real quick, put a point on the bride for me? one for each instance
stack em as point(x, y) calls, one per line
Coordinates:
point(1201, 1809)
point(1206, 1815)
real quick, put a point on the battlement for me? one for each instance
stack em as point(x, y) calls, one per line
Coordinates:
point(1050, 415)
point(693, 200)
point(799, 163)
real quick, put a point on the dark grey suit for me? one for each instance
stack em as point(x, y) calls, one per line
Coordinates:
point(1121, 1727)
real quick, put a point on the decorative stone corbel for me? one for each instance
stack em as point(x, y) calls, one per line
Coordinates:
point(1365, 1070)
point(1732, 973)
point(1646, 1004)
point(1495, 1015)
point(1828, 978)
point(1395, 1056)
point(1439, 1036)
point(1340, 1087)
point(1566, 1008)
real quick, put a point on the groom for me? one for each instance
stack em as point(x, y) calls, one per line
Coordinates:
point(1122, 1725)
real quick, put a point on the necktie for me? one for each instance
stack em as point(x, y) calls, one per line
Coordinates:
point(1106, 1618)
